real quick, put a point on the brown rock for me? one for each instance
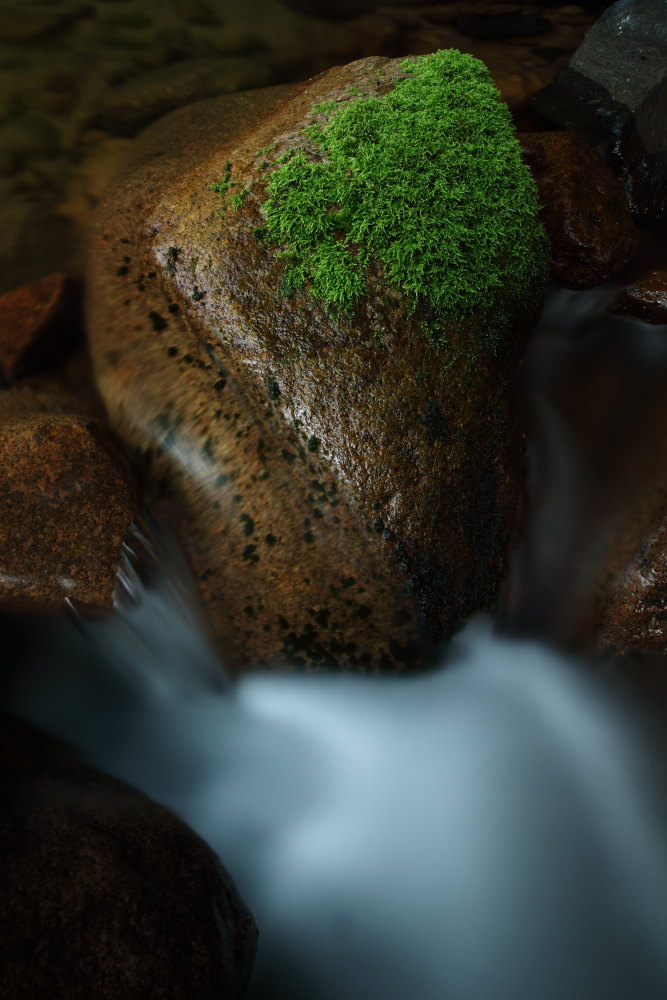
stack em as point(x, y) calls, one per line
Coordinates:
point(103, 893)
point(67, 499)
point(37, 324)
point(646, 299)
point(584, 208)
point(372, 34)
point(635, 617)
point(131, 106)
point(43, 397)
point(339, 500)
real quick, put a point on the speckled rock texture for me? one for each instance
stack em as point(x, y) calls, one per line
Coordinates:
point(67, 497)
point(340, 500)
point(614, 91)
point(584, 208)
point(105, 894)
point(37, 324)
point(635, 616)
point(646, 298)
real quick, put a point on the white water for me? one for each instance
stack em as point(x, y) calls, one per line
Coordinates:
point(491, 831)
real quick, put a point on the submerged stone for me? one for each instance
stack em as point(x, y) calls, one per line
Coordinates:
point(334, 439)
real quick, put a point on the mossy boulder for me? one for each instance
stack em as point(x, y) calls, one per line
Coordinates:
point(332, 431)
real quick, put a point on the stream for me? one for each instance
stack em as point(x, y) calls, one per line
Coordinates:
point(491, 830)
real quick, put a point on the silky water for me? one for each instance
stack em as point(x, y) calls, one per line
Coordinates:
point(490, 830)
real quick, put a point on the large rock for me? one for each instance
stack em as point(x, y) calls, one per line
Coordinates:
point(614, 91)
point(346, 491)
point(103, 893)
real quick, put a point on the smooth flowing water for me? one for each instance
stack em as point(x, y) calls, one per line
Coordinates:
point(492, 830)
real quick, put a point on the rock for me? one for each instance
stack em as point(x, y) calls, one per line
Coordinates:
point(104, 893)
point(635, 615)
point(196, 12)
point(67, 498)
point(31, 135)
point(339, 499)
point(646, 299)
point(625, 51)
point(37, 324)
point(584, 208)
point(131, 106)
point(614, 91)
point(372, 34)
point(345, 8)
point(28, 22)
point(27, 400)
point(512, 25)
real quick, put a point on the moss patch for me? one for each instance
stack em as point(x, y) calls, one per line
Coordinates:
point(427, 180)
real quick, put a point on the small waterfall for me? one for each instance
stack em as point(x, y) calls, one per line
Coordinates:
point(490, 831)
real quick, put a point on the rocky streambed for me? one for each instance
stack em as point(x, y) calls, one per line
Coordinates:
point(347, 486)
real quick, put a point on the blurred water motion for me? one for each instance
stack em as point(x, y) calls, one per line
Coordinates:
point(490, 831)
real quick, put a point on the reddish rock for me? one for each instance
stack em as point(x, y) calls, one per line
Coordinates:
point(585, 209)
point(37, 323)
point(338, 498)
point(646, 299)
point(635, 617)
point(67, 498)
point(105, 894)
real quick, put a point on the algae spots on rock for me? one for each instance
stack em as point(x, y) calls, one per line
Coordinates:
point(248, 524)
point(171, 260)
point(249, 555)
point(158, 321)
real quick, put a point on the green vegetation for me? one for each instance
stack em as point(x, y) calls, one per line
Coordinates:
point(427, 180)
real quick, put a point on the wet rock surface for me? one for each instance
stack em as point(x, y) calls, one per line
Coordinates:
point(614, 91)
point(584, 209)
point(646, 299)
point(278, 438)
point(104, 893)
point(68, 498)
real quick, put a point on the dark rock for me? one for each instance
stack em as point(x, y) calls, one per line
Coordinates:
point(220, 386)
point(626, 51)
point(67, 498)
point(37, 324)
point(131, 106)
point(646, 299)
point(614, 91)
point(103, 893)
point(513, 25)
point(584, 208)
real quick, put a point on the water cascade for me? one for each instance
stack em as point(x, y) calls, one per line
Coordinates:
point(490, 830)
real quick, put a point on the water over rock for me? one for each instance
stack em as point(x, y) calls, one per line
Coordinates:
point(104, 893)
point(345, 491)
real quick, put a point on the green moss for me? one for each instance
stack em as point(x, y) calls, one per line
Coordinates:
point(427, 180)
